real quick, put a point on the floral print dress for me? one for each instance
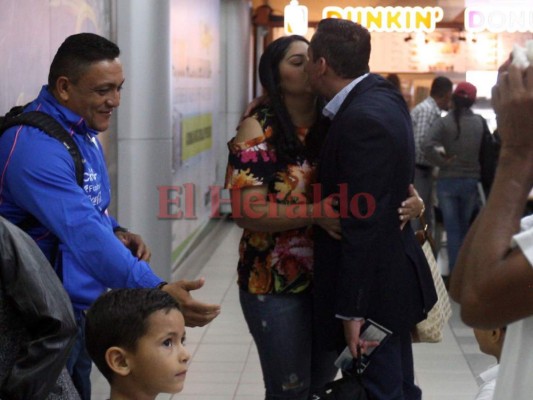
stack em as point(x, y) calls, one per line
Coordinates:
point(272, 262)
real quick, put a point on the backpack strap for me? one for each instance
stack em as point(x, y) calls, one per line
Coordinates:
point(52, 128)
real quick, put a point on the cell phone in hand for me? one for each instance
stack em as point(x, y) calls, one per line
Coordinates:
point(370, 331)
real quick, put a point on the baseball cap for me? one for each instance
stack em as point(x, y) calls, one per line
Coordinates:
point(466, 90)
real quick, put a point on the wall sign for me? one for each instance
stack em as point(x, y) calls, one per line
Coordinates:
point(389, 19)
point(498, 20)
point(295, 19)
point(197, 135)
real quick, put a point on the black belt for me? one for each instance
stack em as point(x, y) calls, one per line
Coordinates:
point(424, 167)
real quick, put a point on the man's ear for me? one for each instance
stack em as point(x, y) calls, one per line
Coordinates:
point(117, 360)
point(321, 66)
point(62, 88)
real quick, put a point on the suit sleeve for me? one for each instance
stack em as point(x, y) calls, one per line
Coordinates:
point(31, 285)
point(366, 160)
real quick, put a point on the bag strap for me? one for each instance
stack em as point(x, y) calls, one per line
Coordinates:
point(52, 128)
point(424, 234)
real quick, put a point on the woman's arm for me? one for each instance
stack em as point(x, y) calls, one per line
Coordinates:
point(253, 209)
point(412, 207)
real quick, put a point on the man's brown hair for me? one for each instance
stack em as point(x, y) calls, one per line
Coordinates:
point(344, 45)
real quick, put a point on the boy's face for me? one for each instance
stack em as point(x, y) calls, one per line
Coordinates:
point(160, 362)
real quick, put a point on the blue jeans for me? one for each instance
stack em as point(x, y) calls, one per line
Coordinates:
point(79, 363)
point(458, 201)
point(282, 328)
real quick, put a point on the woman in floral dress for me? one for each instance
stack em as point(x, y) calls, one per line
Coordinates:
point(271, 170)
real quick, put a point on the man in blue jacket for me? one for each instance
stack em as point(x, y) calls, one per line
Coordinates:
point(87, 247)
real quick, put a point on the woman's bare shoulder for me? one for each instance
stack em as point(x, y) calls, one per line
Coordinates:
point(249, 129)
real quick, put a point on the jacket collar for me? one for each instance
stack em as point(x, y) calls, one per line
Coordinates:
point(370, 81)
point(71, 121)
point(333, 106)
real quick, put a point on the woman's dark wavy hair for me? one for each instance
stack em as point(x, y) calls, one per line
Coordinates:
point(284, 138)
point(460, 104)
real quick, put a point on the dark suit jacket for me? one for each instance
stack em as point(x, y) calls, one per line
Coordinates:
point(376, 271)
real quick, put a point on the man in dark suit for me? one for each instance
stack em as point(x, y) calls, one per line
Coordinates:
point(377, 270)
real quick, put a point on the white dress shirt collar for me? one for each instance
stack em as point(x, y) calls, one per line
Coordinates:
point(335, 103)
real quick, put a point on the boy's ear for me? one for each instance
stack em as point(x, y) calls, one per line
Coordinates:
point(117, 360)
point(497, 335)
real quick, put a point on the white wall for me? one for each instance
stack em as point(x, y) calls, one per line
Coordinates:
point(144, 123)
point(145, 143)
point(236, 62)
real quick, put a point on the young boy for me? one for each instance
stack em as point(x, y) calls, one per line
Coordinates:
point(135, 337)
point(490, 342)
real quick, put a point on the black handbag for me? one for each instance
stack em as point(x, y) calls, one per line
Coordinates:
point(349, 387)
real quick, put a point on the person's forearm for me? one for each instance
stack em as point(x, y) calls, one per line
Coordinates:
point(482, 280)
point(432, 155)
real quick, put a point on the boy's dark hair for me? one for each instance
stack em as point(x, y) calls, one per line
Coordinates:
point(440, 86)
point(284, 139)
point(77, 53)
point(344, 44)
point(118, 318)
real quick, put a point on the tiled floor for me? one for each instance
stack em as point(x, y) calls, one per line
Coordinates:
point(225, 365)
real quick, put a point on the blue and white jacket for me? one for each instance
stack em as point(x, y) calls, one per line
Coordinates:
point(38, 178)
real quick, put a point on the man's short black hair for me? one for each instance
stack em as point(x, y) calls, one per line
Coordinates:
point(118, 318)
point(441, 86)
point(345, 45)
point(77, 53)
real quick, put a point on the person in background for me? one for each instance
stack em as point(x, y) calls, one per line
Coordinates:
point(88, 248)
point(395, 80)
point(37, 326)
point(377, 270)
point(423, 115)
point(144, 353)
point(490, 342)
point(493, 278)
point(273, 159)
point(453, 144)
